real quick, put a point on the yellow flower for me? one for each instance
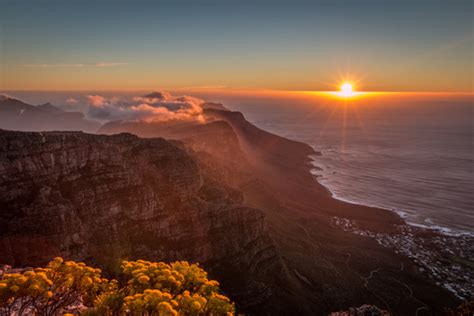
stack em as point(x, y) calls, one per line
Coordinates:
point(88, 281)
point(58, 260)
point(195, 306)
point(166, 309)
point(34, 287)
point(15, 288)
point(143, 279)
point(21, 280)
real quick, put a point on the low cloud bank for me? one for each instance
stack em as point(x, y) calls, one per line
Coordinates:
point(154, 107)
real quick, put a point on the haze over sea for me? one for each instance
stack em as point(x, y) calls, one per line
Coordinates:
point(411, 153)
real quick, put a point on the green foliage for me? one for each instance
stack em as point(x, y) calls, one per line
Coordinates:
point(150, 288)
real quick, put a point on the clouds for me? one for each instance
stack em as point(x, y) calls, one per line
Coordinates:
point(97, 65)
point(72, 101)
point(96, 100)
point(154, 107)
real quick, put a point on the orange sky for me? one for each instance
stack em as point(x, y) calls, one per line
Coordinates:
point(303, 46)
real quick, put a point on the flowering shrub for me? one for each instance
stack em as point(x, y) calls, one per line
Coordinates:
point(150, 288)
point(46, 291)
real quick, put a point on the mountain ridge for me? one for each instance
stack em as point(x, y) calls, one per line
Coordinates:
point(18, 115)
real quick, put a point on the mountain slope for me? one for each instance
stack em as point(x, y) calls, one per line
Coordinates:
point(326, 268)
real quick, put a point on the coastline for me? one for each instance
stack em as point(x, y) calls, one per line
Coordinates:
point(439, 255)
point(418, 254)
point(402, 214)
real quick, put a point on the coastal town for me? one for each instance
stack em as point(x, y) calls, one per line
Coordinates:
point(447, 260)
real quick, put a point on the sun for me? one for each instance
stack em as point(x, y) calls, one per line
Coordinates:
point(346, 89)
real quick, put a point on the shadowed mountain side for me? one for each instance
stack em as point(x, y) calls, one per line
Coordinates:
point(327, 269)
point(20, 116)
point(285, 165)
point(335, 269)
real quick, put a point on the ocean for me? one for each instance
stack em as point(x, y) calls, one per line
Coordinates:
point(410, 153)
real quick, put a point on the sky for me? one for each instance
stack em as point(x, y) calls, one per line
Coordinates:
point(262, 45)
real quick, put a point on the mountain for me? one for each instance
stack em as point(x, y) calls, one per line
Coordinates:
point(155, 95)
point(225, 193)
point(326, 268)
point(48, 107)
point(17, 115)
point(215, 144)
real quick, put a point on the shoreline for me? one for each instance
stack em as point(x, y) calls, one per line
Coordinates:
point(443, 230)
point(444, 258)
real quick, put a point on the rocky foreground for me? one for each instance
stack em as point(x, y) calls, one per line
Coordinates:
point(237, 199)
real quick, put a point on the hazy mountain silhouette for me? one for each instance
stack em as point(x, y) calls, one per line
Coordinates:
point(20, 116)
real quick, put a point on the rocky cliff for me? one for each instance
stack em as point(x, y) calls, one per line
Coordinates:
point(104, 198)
point(214, 144)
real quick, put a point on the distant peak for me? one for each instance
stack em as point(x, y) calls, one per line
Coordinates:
point(156, 95)
point(4, 97)
point(8, 99)
point(49, 108)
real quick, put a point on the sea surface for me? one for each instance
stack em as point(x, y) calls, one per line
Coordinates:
point(410, 153)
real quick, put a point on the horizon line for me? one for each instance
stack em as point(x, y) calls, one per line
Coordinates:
point(244, 90)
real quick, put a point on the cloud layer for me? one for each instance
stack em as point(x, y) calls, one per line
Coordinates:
point(155, 107)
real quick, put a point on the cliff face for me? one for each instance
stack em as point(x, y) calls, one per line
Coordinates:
point(103, 198)
point(215, 145)
point(265, 145)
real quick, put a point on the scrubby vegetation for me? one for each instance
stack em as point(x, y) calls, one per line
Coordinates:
point(465, 309)
point(145, 288)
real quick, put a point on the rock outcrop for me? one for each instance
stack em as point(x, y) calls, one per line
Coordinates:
point(104, 198)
